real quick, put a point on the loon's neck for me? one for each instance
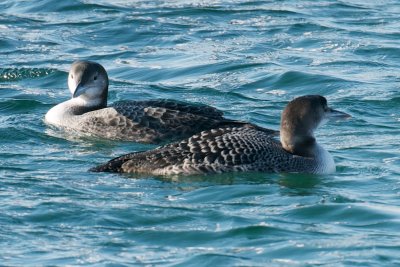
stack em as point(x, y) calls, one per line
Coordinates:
point(62, 113)
point(324, 160)
point(307, 147)
point(304, 146)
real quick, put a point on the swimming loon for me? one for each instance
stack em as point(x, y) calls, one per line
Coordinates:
point(148, 121)
point(243, 148)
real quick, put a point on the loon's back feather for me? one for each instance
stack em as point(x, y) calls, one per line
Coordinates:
point(127, 107)
point(225, 149)
point(151, 121)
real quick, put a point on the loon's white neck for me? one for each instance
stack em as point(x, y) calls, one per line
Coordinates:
point(324, 160)
point(64, 113)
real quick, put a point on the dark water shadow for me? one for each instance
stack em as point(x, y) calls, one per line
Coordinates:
point(293, 184)
point(300, 184)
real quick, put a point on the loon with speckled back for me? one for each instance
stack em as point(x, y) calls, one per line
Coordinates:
point(242, 148)
point(147, 121)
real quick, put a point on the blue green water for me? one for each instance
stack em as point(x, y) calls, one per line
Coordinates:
point(247, 58)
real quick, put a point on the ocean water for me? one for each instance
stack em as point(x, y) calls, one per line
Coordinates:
point(247, 58)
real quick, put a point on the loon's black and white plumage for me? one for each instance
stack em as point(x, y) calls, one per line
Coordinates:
point(148, 121)
point(244, 148)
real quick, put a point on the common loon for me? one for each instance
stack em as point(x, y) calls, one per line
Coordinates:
point(148, 121)
point(243, 148)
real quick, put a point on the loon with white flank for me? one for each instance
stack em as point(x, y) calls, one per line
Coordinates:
point(147, 121)
point(243, 148)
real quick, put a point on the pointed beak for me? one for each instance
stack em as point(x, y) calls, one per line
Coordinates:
point(338, 115)
point(80, 89)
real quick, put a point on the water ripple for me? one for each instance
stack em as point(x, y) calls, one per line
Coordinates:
point(247, 58)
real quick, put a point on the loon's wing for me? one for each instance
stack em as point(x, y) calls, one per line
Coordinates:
point(109, 123)
point(203, 110)
point(172, 120)
point(175, 120)
point(140, 122)
point(193, 108)
point(212, 151)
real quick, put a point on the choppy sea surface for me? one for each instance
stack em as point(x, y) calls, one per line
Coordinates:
point(247, 58)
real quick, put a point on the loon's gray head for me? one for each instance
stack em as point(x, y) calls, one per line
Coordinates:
point(89, 81)
point(299, 120)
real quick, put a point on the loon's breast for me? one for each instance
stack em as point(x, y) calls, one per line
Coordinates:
point(61, 115)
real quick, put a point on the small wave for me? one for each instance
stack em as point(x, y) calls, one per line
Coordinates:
point(16, 105)
point(56, 6)
point(299, 83)
point(349, 6)
point(378, 52)
point(353, 63)
point(306, 27)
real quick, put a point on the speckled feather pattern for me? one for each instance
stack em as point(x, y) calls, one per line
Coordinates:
point(150, 121)
point(218, 150)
